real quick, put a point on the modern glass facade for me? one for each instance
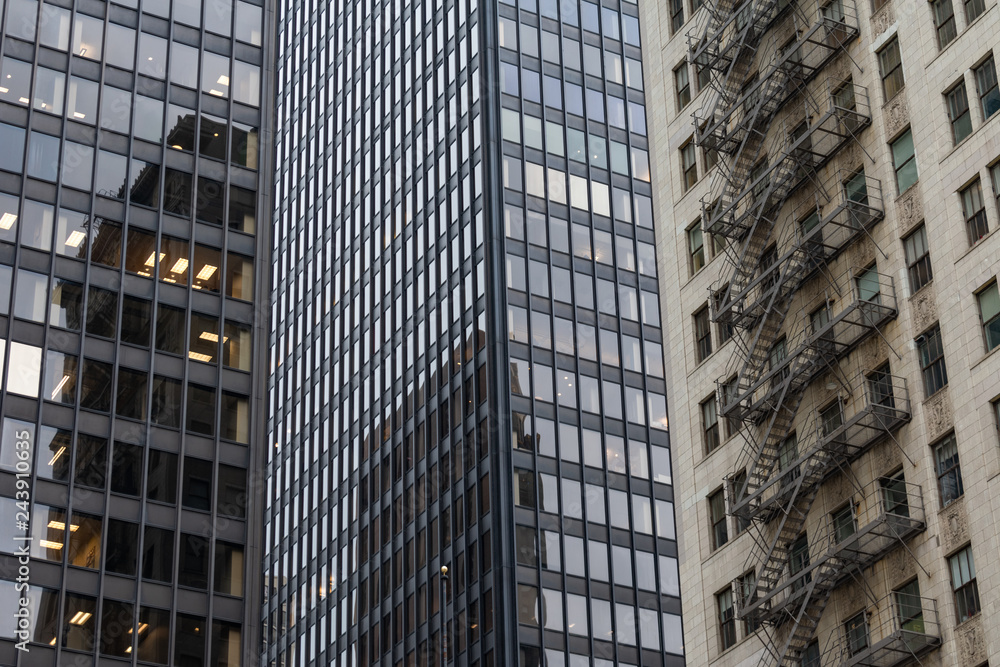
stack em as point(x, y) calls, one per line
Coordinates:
point(132, 168)
point(466, 349)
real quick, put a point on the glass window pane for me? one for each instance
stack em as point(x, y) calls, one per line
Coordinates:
point(219, 16)
point(121, 552)
point(152, 56)
point(52, 453)
point(116, 109)
point(88, 37)
point(111, 174)
point(121, 46)
point(31, 296)
point(247, 89)
point(184, 65)
point(24, 370)
point(242, 210)
point(36, 225)
point(12, 159)
point(50, 90)
point(10, 210)
point(249, 23)
point(53, 31)
point(60, 377)
point(16, 77)
point(215, 75)
point(148, 119)
point(43, 156)
point(82, 100)
point(77, 166)
point(80, 618)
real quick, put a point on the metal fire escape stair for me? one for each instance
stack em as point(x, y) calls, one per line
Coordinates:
point(750, 190)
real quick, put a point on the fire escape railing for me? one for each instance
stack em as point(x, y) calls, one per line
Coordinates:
point(898, 630)
point(774, 127)
point(870, 407)
point(888, 513)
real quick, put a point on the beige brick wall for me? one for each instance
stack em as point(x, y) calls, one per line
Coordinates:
point(974, 375)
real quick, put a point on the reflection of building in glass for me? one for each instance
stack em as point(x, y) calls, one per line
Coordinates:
point(131, 176)
point(467, 352)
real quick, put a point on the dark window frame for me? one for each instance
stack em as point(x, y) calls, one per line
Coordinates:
point(948, 469)
point(717, 518)
point(702, 334)
point(918, 266)
point(959, 113)
point(987, 87)
point(890, 65)
point(974, 211)
point(930, 352)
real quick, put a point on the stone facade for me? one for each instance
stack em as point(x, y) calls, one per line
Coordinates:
point(965, 407)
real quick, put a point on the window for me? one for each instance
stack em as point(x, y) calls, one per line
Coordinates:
point(931, 351)
point(798, 561)
point(702, 334)
point(845, 524)
point(810, 656)
point(856, 633)
point(949, 472)
point(989, 315)
point(918, 259)
point(729, 392)
point(689, 165)
point(974, 210)
point(717, 516)
point(710, 423)
point(683, 85)
point(748, 591)
point(891, 69)
point(831, 417)
point(727, 618)
point(986, 86)
point(973, 8)
point(696, 247)
point(944, 22)
point(963, 583)
point(880, 387)
point(676, 15)
point(909, 612)
point(904, 161)
point(958, 113)
point(894, 495)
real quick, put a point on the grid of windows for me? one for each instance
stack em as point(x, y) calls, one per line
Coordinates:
point(127, 315)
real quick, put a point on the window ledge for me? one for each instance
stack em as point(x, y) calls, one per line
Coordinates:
point(978, 245)
point(922, 288)
point(995, 351)
point(970, 619)
point(971, 135)
point(935, 395)
point(952, 505)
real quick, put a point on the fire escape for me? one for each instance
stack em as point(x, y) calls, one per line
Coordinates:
point(775, 123)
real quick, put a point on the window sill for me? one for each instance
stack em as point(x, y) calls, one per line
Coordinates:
point(978, 245)
point(950, 506)
point(934, 395)
point(995, 351)
point(976, 131)
point(923, 287)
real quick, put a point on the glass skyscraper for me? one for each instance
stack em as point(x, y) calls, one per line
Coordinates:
point(134, 162)
point(466, 351)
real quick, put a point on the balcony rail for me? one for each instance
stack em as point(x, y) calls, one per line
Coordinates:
point(889, 512)
point(739, 196)
point(902, 628)
point(870, 406)
point(865, 299)
point(833, 229)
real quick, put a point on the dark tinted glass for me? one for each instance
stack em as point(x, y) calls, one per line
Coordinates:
point(201, 409)
point(161, 477)
point(210, 202)
point(126, 469)
point(193, 570)
point(102, 312)
point(232, 491)
point(167, 403)
point(132, 387)
point(197, 484)
point(169, 329)
point(122, 547)
point(158, 554)
point(177, 192)
point(136, 314)
point(91, 465)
